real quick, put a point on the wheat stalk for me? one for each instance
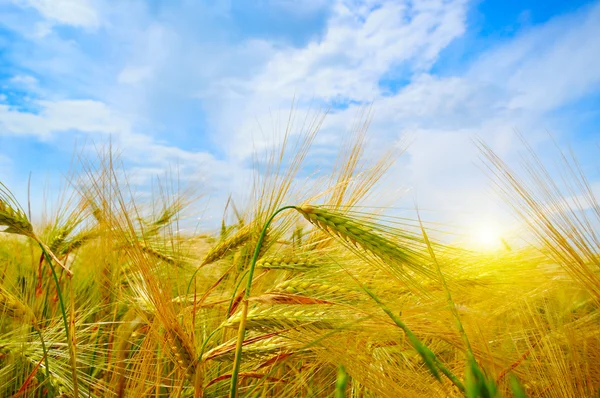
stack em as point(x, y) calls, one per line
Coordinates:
point(339, 225)
point(348, 230)
point(14, 218)
point(57, 384)
point(14, 308)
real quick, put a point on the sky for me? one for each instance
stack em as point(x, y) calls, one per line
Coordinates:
point(196, 83)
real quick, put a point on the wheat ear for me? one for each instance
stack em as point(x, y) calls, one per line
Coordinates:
point(352, 231)
point(14, 308)
point(240, 237)
point(14, 218)
point(20, 312)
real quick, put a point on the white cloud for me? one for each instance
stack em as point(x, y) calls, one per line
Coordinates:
point(61, 116)
point(362, 42)
point(26, 81)
point(510, 88)
point(360, 45)
point(81, 13)
point(42, 29)
point(134, 75)
point(97, 121)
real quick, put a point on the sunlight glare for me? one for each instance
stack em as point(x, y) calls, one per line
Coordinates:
point(487, 236)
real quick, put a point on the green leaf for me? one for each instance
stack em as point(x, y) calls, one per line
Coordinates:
point(342, 382)
point(516, 387)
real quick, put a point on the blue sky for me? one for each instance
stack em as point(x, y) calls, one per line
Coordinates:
point(193, 82)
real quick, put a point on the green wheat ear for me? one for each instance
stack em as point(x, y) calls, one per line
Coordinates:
point(356, 233)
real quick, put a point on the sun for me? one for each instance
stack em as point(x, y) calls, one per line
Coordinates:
point(487, 236)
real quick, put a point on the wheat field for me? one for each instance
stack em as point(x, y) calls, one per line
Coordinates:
point(304, 291)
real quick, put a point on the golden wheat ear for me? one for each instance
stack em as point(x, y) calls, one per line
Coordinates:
point(12, 215)
point(14, 308)
point(236, 240)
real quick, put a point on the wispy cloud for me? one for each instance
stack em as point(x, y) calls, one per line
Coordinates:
point(86, 116)
point(81, 13)
point(549, 65)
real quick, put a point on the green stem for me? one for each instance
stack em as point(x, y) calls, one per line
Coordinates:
point(425, 352)
point(65, 320)
point(237, 286)
point(39, 332)
point(341, 383)
point(451, 303)
point(205, 343)
point(187, 291)
point(242, 328)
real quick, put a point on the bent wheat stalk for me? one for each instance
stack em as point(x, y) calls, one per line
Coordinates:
point(244, 316)
point(351, 231)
